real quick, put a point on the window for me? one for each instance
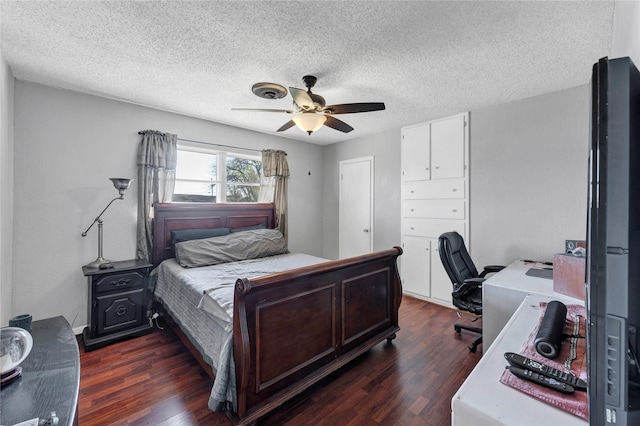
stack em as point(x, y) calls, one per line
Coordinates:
point(207, 175)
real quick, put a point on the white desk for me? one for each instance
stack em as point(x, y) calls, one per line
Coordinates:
point(483, 400)
point(503, 292)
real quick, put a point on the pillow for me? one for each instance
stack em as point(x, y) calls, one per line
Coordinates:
point(181, 235)
point(249, 228)
point(237, 246)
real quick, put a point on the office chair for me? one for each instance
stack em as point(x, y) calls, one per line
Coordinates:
point(467, 283)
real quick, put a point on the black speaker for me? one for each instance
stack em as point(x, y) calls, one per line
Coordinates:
point(549, 337)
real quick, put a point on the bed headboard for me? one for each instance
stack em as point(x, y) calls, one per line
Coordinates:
point(176, 216)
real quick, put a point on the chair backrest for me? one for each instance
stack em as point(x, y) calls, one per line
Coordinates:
point(455, 258)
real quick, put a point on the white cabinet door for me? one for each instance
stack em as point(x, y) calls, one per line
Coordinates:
point(415, 265)
point(441, 286)
point(447, 148)
point(415, 153)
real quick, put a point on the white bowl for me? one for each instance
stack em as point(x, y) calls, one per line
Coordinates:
point(16, 343)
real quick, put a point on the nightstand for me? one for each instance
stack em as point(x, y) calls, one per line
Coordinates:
point(117, 304)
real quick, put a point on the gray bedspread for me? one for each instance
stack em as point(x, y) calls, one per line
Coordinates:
point(200, 300)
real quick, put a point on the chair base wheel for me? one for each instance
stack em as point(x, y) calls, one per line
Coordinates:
point(457, 329)
point(473, 348)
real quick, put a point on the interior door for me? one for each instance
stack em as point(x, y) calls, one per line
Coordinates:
point(356, 207)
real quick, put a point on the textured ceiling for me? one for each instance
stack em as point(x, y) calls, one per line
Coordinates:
point(424, 60)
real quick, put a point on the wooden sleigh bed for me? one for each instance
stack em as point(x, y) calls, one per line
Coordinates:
point(292, 328)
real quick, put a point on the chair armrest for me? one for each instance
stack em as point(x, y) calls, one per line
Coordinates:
point(491, 269)
point(468, 285)
point(476, 282)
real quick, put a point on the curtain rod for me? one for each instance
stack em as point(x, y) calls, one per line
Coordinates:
point(214, 144)
point(217, 144)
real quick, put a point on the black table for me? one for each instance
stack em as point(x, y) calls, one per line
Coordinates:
point(50, 377)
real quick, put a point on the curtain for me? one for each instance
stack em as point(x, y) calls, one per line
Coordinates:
point(157, 157)
point(275, 172)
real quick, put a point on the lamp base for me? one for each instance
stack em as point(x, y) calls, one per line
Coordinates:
point(100, 263)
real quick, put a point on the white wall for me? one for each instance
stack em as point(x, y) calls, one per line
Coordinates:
point(626, 31)
point(67, 145)
point(6, 191)
point(529, 171)
point(528, 179)
point(385, 148)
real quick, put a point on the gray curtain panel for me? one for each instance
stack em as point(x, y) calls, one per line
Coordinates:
point(157, 157)
point(274, 164)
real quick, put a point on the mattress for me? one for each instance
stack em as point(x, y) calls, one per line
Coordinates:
point(200, 300)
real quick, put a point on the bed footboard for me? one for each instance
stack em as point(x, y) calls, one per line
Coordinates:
point(294, 328)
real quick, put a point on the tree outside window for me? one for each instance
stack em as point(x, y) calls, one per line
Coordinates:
point(243, 179)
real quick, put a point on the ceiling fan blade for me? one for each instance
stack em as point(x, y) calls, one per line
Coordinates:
point(352, 108)
point(287, 111)
point(334, 123)
point(302, 99)
point(289, 124)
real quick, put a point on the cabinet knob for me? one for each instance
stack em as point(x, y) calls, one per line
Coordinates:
point(411, 209)
point(426, 168)
point(454, 210)
point(437, 167)
point(411, 191)
point(455, 189)
point(412, 228)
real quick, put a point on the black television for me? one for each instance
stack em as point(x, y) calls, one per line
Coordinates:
point(613, 245)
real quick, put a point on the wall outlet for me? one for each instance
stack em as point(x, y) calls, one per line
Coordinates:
point(571, 245)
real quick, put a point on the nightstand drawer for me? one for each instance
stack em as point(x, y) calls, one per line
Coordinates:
point(120, 311)
point(117, 282)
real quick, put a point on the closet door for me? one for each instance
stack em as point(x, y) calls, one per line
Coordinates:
point(447, 148)
point(416, 264)
point(441, 286)
point(415, 153)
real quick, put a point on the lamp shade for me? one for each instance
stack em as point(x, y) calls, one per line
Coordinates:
point(121, 184)
point(309, 121)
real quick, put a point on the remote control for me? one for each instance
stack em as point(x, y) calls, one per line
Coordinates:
point(530, 364)
point(540, 379)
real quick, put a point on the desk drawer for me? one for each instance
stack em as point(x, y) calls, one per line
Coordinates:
point(420, 227)
point(434, 209)
point(433, 189)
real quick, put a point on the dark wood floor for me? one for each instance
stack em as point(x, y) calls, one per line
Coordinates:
point(154, 380)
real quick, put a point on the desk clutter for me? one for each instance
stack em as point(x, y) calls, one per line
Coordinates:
point(539, 269)
point(552, 364)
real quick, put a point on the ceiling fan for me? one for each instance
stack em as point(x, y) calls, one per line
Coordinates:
point(311, 111)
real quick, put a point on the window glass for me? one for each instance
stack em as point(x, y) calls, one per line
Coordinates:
point(243, 179)
point(200, 172)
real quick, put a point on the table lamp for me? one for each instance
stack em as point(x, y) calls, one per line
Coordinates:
point(121, 185)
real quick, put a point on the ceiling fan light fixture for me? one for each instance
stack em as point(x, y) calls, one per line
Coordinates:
point(269, 90)
point(309, 121)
